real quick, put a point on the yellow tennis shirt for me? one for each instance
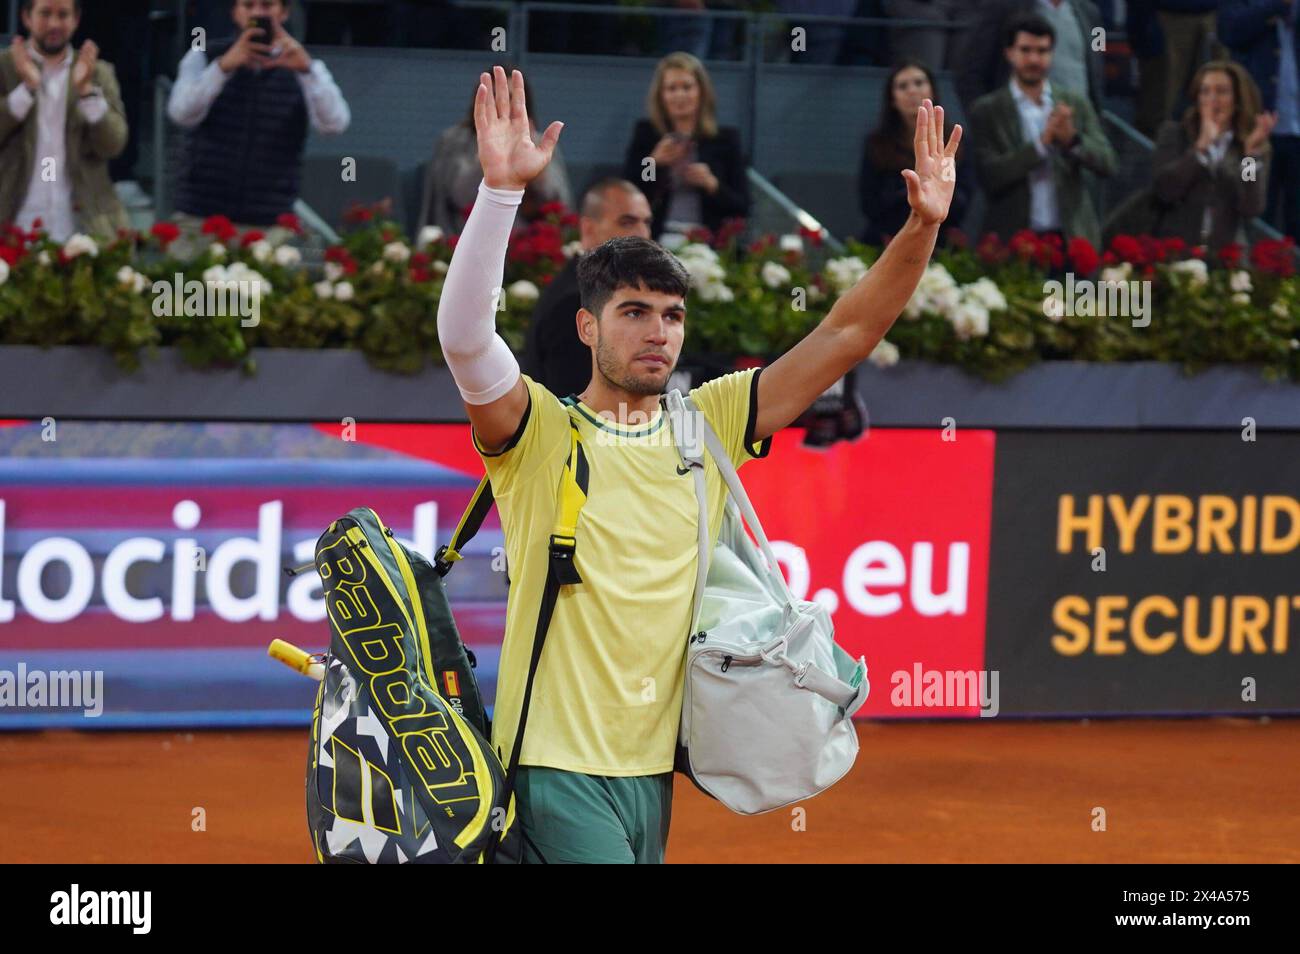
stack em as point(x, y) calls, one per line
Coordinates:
point(608, 692)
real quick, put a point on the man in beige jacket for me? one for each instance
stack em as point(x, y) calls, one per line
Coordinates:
point(61, 121)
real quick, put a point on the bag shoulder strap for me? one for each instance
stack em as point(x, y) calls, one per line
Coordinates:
point(687, 423)
point(709, 438)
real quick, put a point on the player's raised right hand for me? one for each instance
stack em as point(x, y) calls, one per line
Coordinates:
point(506, 151)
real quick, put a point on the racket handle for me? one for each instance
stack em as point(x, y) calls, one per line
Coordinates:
point(296, 659)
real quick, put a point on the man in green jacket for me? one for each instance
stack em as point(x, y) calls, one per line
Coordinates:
point(1033, 142)
point(61, 121)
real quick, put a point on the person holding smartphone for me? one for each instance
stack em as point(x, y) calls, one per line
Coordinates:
point(691, 169)
point(245, 103)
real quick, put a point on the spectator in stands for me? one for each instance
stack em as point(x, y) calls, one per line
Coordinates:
point(1033, 142)
point(1197, 170)
point(1075, 67)
point(1181, 35)
point(451, 183)
point(245, 104)
point(554, 354)
point(54, 155)
point(889, 149)
point(929, 46)
point(691, 169)
point(1264, 36)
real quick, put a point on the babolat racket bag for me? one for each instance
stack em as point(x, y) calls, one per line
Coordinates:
point(401, 768)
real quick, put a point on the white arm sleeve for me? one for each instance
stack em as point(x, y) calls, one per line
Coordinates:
point(481, 362)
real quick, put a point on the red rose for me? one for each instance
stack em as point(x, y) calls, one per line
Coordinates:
point(990, 249)
point(420, 260)
point(699, 234)
point(220, 227)
point(1127, 249)
point(420, 275)
point(251, 236)
point(551, 208)
point(1173, 246)
point(165, 232)
point(287, 220)
point(1230, 255)
point(547, 278)
point(10, 255)
point(357, 215)
point(1083, 257)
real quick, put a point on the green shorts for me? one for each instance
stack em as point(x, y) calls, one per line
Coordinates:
point(573, 818)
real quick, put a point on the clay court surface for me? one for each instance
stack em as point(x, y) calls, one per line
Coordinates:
point(1214, 790)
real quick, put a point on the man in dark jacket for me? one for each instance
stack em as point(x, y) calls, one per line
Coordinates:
point(1033, 142)
point(554, 354)
point(246, 103)
point(1264, 37)
point(1076, 67)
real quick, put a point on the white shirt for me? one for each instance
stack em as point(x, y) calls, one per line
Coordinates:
point(199, 83)
point(1211, 158)
point(49, 193)
point(1044, 212)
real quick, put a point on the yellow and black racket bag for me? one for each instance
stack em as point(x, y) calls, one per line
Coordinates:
point(401, 768)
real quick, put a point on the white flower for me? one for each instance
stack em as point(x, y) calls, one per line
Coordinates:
point(323, 289)
point(790, 243)
point(377, 268)
point(343, 291)
point(239, 272)
point(523, 291)
point(397, 252)
point(845, 272)
point(774, 275)
point(333, 271)
point(1240, 281)
point(884, 355)
point(80, 245)
point(43, 258)
point(986, 292)
point(4, 271)
point(1279, 308)
point(261, 250)
point(439, 266)
point(697, 250)
point(1241, 298)
point(287, 256)
point(216, 273)
point(1295, 344)
point(936, 293)
point(428, 235)
point(815, 292)
point(970, 320)
point(714, 291)
point(1194, 268)
point(217, 251)
point(126, 275)
point(702, 264)
point(572, 248)
point(1117, 274)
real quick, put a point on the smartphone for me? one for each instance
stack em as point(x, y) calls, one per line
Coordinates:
point(268, 31)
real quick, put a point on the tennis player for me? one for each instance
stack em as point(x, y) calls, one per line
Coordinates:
point(595, 783)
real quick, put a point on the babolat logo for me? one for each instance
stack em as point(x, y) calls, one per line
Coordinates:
point(102, 907)
point(373, 639)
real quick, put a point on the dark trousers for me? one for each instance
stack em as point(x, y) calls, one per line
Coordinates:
point(1284, 185)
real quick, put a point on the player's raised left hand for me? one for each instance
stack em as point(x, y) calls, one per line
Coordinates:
point(506, 151)
point(931, 184)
